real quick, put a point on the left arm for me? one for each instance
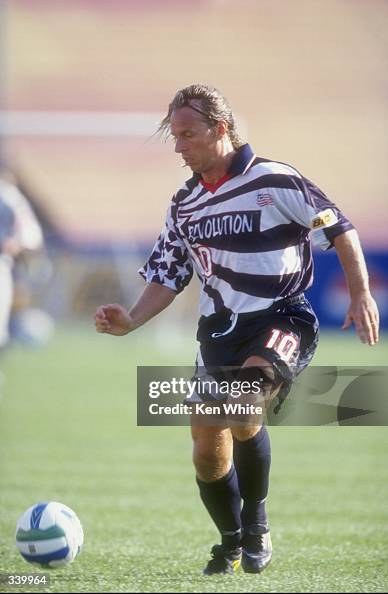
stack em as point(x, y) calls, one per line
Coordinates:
point(363, 310)
point(308, 206)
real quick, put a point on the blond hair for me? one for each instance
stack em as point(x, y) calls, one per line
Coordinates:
point(213, 107)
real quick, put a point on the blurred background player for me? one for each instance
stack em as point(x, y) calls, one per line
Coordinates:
point(243, 223)
point(20, 231)
point(7, 225)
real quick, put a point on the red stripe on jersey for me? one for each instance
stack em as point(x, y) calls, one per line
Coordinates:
point(213, 187)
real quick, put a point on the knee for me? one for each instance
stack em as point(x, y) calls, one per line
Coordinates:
point(210, 467)
point(244, 433)
point(258, 369)
point(211, 457)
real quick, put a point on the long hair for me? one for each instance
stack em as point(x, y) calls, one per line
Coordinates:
point(210, 103)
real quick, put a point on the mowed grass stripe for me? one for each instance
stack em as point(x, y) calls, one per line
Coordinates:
point(68, 433)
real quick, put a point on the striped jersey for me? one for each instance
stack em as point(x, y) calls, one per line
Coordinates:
point(247, 238)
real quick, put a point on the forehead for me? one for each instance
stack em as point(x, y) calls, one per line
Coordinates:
point(185, 118)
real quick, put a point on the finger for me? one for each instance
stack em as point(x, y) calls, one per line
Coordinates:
point(362, 332)
point(111, 311)
point(348, 322)
point(371, 329)
point(100, 314)
point(374, 322)
point(103, 330)
point(112, 307)
point(374, 334)
point(102, 326)
point(370, 325)
point(368, 331)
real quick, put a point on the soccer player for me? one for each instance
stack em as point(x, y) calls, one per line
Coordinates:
point(7, 225)
point(245, 225)
point(19, 230)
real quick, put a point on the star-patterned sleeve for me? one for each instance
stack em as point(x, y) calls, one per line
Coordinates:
point(169, 263)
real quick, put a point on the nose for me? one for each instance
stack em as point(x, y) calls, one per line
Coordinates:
point(179, 145)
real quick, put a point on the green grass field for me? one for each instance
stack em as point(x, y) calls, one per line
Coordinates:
point(68, 433)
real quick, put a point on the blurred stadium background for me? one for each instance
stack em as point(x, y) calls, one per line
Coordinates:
point(83, 85)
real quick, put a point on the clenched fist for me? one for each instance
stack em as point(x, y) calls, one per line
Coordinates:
point(113, 319)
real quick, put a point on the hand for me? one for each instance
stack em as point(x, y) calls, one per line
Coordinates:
point(11, 246)
point(113, 319)
point(364, 314)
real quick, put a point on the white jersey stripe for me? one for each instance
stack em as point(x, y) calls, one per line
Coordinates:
point(285, 261)
point(249, 241)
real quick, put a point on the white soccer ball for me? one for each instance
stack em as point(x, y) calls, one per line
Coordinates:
point(49, 534)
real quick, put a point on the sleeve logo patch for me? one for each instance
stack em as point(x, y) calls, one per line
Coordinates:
point(264, 199)
point(325, 218)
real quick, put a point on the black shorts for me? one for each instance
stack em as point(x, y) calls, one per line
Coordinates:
point(286, 335)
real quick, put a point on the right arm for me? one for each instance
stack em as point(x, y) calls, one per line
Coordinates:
point(167, 272)
point(115, 319)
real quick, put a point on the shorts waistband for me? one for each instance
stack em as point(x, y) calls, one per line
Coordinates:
point(292, 300)
point(222, 324)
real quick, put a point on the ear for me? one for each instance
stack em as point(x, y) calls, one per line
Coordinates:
point(221, 128)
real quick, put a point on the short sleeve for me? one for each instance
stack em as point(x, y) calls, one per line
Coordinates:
point(329, 221)
point(304, 203)
point(169, 263)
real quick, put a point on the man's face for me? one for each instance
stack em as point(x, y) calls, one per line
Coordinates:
point(198, 143)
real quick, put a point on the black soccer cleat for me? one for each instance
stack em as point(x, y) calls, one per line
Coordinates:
point(223, 561)
point(256, 552)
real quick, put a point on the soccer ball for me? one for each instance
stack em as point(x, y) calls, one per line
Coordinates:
point(49, 534)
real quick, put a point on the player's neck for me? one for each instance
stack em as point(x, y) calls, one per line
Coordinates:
point(220, 167)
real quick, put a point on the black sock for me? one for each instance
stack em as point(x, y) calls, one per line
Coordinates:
point(223, 502)
point(252, 459)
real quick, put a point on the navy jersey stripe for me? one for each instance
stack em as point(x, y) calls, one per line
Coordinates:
point(278, 238)
point(257, 285)
point(215, 295)
point(285, 182)
point(263, 209)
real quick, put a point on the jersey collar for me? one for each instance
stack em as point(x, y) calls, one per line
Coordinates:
point(241, 162)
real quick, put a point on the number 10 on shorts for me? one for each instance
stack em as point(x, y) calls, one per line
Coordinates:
point(283, 343)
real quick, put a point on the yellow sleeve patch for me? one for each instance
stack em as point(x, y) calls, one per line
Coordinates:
point(325, 218)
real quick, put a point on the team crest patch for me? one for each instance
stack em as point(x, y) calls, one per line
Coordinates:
point(326, 218)
point(264, 199)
